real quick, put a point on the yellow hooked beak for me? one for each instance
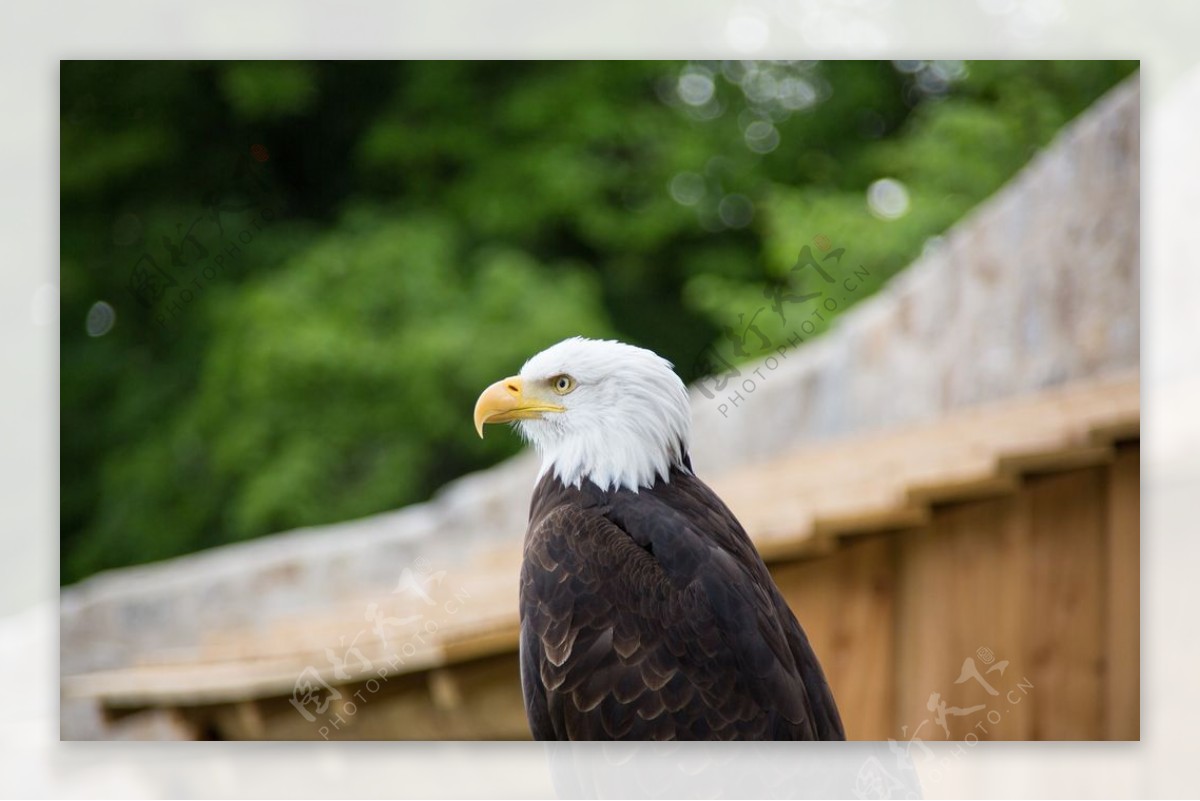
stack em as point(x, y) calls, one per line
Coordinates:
point(505, 401)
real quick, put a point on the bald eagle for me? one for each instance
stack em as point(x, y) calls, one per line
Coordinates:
point(646, 612)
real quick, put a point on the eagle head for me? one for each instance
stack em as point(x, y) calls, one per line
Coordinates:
point(596, 410)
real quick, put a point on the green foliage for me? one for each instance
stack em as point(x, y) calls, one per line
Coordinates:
point(389, 239)
point(263, 90)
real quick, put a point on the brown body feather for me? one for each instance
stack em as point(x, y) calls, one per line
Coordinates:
point(650, 616)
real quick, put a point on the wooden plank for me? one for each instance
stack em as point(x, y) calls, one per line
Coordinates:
point(844, 601)
point(1066, 458)
point(920, 650)
point(957, 490)
point(1066, 610)
point(487, 705)
point(871, 521)
point(786, 550)
point(233, 679)
point(1120, 430)
point(871, 483)
point(1122, 686)
point(959, 625)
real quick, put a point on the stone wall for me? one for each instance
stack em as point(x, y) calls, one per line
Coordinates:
point(1036, 287)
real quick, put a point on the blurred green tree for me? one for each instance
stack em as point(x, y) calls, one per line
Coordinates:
point(314, 267)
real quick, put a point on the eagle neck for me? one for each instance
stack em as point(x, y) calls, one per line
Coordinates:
point(614, 461)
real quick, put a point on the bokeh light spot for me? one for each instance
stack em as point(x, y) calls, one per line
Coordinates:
point(796, 94)
point(762, 136)
point(888, 199)
point(100, 319)
point(687, 188)
point(695, 87)
point(736, 211)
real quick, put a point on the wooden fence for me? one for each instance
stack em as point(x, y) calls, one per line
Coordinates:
point(974, 577)
point(1032, 596)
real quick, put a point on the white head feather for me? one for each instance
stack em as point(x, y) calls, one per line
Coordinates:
point(626, 422)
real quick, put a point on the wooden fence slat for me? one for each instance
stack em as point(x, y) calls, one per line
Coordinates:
point(1123, 696)
point(1067, 610)
point(844, 601)
point(960, 596)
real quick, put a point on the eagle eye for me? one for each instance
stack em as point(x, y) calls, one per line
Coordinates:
point(562, 384)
